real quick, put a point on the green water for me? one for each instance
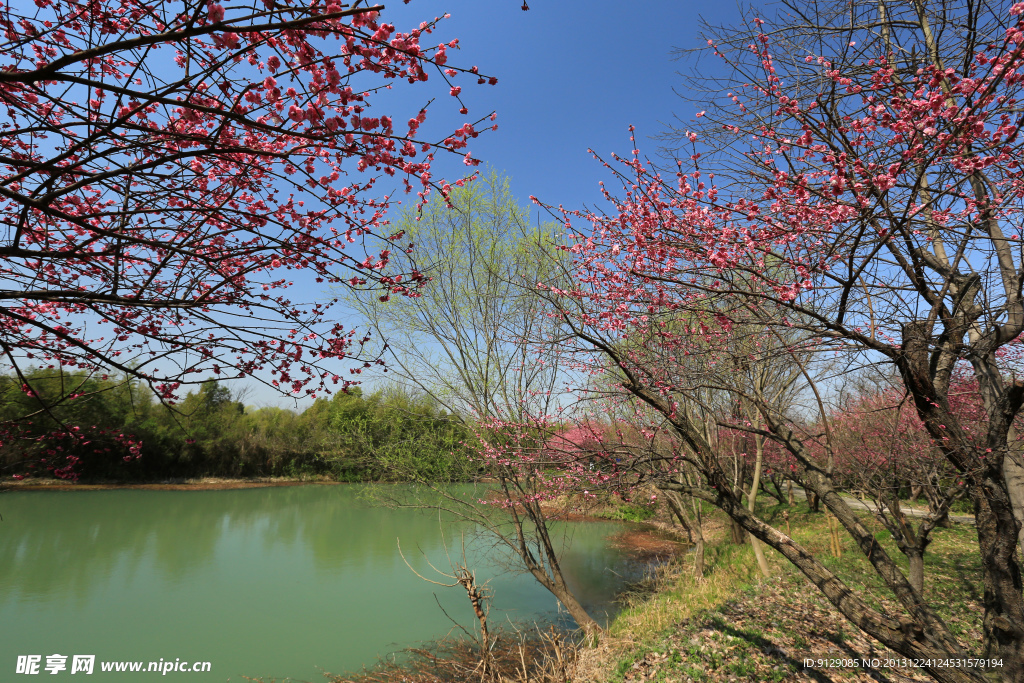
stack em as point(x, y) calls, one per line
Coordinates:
point(272, 582)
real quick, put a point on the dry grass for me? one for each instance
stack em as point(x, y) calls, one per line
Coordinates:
point(518, 657)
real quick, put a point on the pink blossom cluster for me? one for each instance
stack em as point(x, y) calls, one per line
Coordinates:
point(171, 172)
point(60, 451)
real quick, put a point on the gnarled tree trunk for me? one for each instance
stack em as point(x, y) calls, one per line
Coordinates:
point(693, 530)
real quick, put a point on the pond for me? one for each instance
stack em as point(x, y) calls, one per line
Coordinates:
point(283, 582)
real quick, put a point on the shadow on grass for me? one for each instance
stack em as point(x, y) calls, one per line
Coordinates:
point(771, 650)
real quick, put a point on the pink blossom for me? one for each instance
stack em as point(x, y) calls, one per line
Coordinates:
point(215, 13)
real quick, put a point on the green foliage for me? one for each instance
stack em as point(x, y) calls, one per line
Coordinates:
point(390, 434)
point(464, 337)
point(49, 418)
point(630, 513)
point(397, 434)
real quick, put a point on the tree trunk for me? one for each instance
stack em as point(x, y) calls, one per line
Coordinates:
point(762, 563)
point(590, 627)
point(738, 535)
point(547, 571)
point(1013, 475)
point(676, 506)
point(916, 576)
point(933, 494)
point(739, 476)
point(994, 514)
point(698, 558)
point(1004, 607)
point(477, 598)
point(698, 552)
point(812, 500)
point(693, 530)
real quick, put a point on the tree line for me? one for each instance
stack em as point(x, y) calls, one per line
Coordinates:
point(115, 428)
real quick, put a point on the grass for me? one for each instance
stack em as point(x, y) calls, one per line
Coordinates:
point(736, 626)
point(673, 595)
point(627, 513)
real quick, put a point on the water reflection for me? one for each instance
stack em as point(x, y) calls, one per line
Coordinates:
point(261, 582)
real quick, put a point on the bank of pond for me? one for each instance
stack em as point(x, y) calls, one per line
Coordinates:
point(277, 582)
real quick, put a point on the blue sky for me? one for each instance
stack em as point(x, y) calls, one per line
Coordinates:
point(571, 76)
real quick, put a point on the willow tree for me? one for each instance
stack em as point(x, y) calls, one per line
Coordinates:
point(473, 335)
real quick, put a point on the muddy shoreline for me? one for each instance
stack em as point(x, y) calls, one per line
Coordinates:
point(650, 541)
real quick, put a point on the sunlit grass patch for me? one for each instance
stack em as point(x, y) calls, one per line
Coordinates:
point(735, 625)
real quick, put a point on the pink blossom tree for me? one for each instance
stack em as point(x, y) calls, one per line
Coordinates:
point(872, 214)
point(172, 171)
point(883, 453)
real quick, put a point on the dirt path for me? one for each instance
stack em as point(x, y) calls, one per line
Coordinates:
point(909, 510)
